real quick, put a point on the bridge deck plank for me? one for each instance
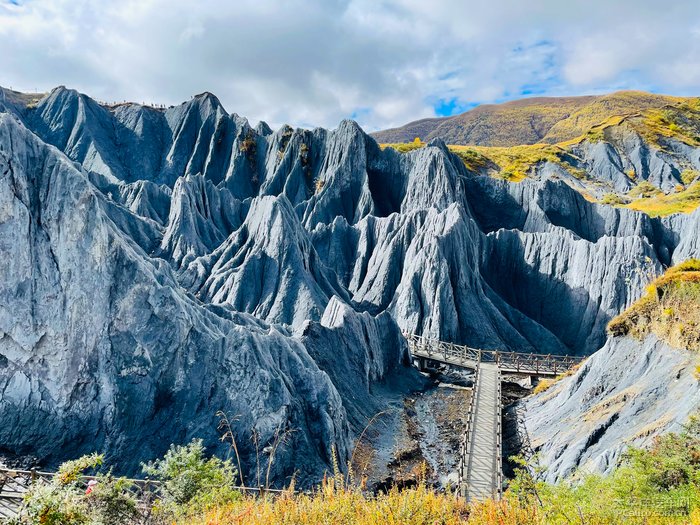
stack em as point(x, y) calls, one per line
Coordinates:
point(482, 479)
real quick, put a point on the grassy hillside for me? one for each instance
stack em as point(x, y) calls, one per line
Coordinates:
point(525, 121)
point(670, 309)
point(658, 204)
point(531, 120)
point(615, 105)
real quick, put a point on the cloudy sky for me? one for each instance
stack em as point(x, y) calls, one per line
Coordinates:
point(381, 62)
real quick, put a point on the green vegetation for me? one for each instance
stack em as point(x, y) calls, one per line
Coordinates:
point(670, 309)
point(545, 384)
point(190, 483)
point(680, 121)
point(656, 204)
point(611, 118)
point(613, 199)
point(689, 176)
point(404, 147)
point(64, 500)
point(606, 111)
point(660, 485)
point(473, 160)
point(644, 189)
point(513, 163)
point(191, 479)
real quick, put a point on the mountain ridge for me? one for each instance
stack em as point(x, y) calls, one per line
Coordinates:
point(527, 120)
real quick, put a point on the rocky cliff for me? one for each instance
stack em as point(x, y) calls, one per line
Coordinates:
point(625, 395)
point(166, 264)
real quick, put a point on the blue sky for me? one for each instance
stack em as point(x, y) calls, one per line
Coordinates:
point(381, 62)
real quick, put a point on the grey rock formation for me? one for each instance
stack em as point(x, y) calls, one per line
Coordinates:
point(166, 264)
point(624, 395)
point(101, 349)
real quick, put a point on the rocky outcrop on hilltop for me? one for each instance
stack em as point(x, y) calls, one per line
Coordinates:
point(166, 264)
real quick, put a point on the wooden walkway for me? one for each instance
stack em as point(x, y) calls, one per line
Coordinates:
point(480, 464)
point(480, 457)
point(507, 362)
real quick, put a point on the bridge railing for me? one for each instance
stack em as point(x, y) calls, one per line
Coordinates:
point(499, 441)
point(463, 464)
point(15, 483)
point(506, 361)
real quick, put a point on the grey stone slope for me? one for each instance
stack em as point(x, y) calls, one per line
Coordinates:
point(625, 158)
point(544, 275)
point(102, 350)
point(201, 217)
point(267, 267)
point(624, 395)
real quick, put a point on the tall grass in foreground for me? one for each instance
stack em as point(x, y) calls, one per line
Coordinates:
point(659, 485)
point(656, 486)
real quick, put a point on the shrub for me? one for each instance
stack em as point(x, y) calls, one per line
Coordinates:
point(644, 189)
point(542, 386)
point(688, 176)
point(111, 502)
point(613, 199)
point(190, 479)
point(63, 500)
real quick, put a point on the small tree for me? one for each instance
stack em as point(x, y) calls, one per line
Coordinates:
point(190, 480)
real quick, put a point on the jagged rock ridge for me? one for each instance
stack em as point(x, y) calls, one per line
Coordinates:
point(166, 264)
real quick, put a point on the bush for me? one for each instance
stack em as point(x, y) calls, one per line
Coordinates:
point(64, 501)
point(644, 189)
point(613, 199)
point(191, 480)
point(688, 176)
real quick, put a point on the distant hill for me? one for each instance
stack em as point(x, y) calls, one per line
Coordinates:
point(527, 121)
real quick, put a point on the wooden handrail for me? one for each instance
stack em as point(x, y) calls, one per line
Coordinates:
point(506, 360)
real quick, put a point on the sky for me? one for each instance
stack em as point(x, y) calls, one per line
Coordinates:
point(381, 62)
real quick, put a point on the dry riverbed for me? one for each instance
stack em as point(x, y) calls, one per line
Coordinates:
point(420, 437)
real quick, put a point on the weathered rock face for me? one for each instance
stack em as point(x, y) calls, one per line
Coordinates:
point(624, 395)
point(163, 265)
point(102, 349)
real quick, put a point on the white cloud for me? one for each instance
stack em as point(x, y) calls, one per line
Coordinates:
point(315, 62)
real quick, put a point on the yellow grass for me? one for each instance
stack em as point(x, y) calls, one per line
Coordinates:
point(684, 201)
point(545, 384)
point(419, 506)
point(670, 309)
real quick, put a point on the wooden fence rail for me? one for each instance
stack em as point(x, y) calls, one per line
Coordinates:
point(515, 362)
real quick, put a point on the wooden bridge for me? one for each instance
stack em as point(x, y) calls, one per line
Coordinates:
point(480, 456)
